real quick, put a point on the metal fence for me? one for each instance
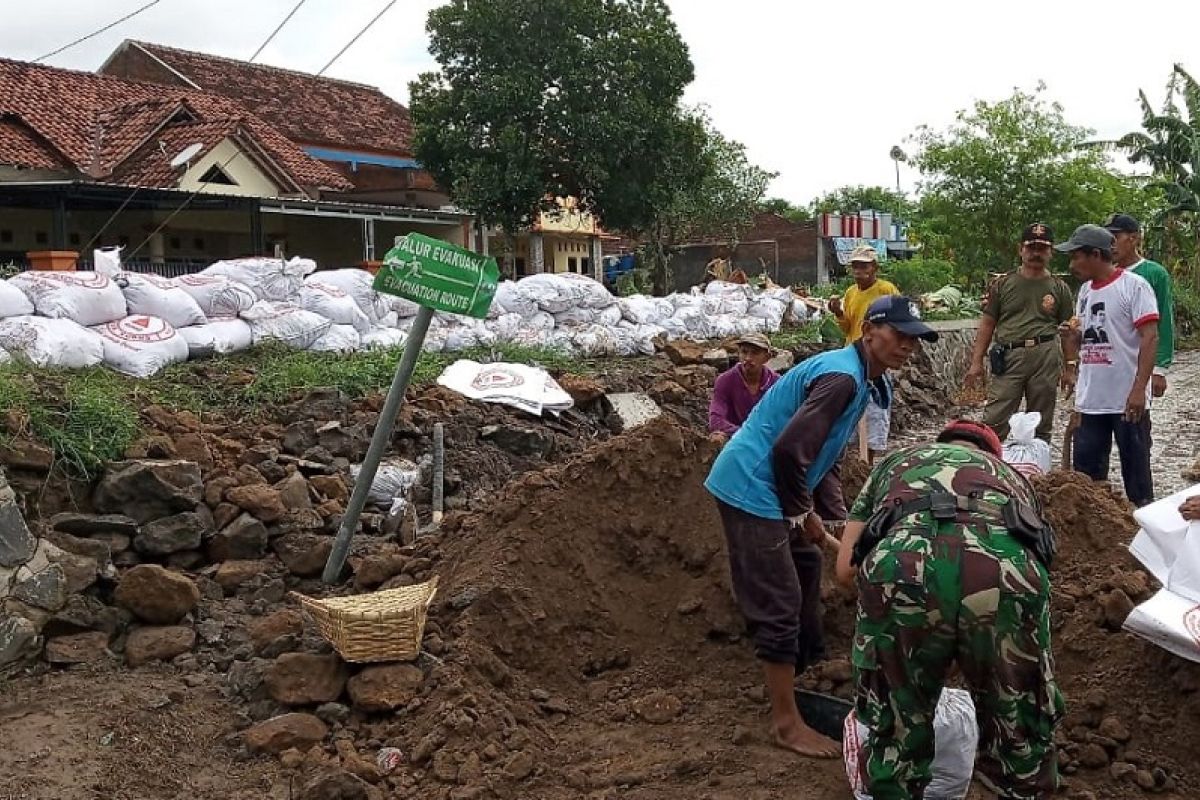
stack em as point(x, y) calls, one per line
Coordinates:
point(168, 268)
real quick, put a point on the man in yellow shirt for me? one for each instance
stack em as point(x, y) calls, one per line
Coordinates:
point(850, 311)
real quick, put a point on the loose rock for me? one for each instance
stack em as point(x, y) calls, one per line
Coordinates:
point(149, 489)
point(386, 688)
point(157, 595)
point(261, 501)
point(172, 534)
point(297, 679)
point(287, 731)
point(158, 644)
point(80, 648)
point(243, 539)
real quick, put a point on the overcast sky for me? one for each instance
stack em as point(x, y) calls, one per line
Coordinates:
point(819, 92)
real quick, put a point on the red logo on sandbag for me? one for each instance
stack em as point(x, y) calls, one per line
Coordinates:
point(496, 379)
point(87, 280)
point(139, 328)
point(1191, 622)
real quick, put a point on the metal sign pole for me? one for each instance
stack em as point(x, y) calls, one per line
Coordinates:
point(379, 443)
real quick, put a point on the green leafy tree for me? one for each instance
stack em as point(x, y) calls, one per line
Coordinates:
point(1001, 166)
point(785, 209)
point(542, 99)
point(730, 191)
point(851, 199)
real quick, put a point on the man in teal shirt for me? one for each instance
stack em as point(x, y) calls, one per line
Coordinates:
point(1127, 233)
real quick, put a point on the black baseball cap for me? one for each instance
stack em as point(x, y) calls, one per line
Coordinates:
point(1122, 223)
point(902, 314)
point(1037, 233)
point(1087, 236)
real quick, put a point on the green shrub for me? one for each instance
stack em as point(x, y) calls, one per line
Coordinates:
point(917, 276)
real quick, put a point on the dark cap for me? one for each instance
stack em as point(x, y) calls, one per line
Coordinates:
point(902, 314)
point(1037, 233)
point(1122, 223)
point(1087, 236)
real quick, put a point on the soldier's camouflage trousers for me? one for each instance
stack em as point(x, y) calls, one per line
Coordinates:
point(967, 594)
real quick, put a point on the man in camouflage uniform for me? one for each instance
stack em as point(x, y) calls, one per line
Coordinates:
point(947, 586)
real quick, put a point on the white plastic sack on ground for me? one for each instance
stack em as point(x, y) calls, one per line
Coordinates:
point(155, 296)
point(576, 316)
point(13, 302)
point(540, 321)
point(286, 323)
point(1026, 453)
point(643, 310)
point(552, 293)
point(360, 286)
point(333, 304)
point(594, 341)
point(85, 298)
point(519, 385)
point(390, 320)
point(107, 261)
point(769, 309)
point(506, 326)
point(219, 337)
point(338, 339)
point(955, 738)
point(1170, 621)
point(383, 339)
point(509, 300)
point(395, 478)
point(51, 342)
point(405, 309)
point(217, 295)
point(269, 278)
point(141, 345)
point(589, 291)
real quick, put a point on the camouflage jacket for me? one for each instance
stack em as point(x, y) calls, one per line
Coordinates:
point(915, 471)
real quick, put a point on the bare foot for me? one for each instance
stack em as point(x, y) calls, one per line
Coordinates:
point(804, 741)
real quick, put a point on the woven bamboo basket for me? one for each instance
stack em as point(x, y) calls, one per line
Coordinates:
point(380, 626)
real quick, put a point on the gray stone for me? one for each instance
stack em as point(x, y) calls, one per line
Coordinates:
point(633, 409)
point(782, 360)
point(171, 534)
point(91, 525)
point(46, 589)
point(80, 571)
point(82, 614)
point(272, 471)
point(95, 549)
point(294, 492)
point(18, 639)
point(78, 648)
point(244, 539)
point(17, 543)
point(157, 595)
point(300, 437)
point(149, 489)
point(303, 554)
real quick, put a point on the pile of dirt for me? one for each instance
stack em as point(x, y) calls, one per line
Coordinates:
point(1133, 709)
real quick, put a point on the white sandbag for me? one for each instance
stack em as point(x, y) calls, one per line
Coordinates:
point(535, 338)
point(610, 316)
point(221, 336)
point(509, 300)
point(460, 337)
point(1170, 621)
point(721, 304)
point(140, 345)
point(107, 261)
point(269, 278)
point(156, 296)
point(540, 321)
point(405, 309)
point(522, 386)
point(13, 302)
point(643, 310)
point(769, 309)
point(1026, 453)
point(594, 341)
point(395, 478)
point(85, 298)
point(506, 326)
point(727, 289)
point(551, 293)
point(390, 320)
point(334, 304)
point(359, 285)
point(46, 342)
point(577, 315)
point(679, 300)
point(383, 339)
point(286, 323)
point(338, 339)
point(217, 295)
point(673, 328)
point(590, 293)
point(955, 738)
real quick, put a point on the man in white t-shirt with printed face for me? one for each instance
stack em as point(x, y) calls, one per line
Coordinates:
point(1117, 337)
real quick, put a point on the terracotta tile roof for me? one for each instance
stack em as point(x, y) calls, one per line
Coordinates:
point(150, 164)
point(20, 146)
point(92, 118)
point(306, 108)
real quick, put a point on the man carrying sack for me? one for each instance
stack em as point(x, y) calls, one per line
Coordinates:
point(1018, 332)
point(949, 552)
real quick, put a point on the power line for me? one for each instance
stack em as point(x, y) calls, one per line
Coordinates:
point(81, 39)
point(357, 36)
point(263, 46)
point(187, 201)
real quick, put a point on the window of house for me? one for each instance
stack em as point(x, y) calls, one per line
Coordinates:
point(197, 243)
point(585, 265)
point(6, 237)
point(519, 264)
point(572, 264)
point(175, 244)
point(41, 237)
point(217, 175)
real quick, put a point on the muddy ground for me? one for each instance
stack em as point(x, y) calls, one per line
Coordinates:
point(586, 646)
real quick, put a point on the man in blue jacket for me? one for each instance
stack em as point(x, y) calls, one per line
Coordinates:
point(776, 481)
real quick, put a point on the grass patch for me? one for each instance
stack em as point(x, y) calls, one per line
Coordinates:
point(790, 338)
point(92, 416)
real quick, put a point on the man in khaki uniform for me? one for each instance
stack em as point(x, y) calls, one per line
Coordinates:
point(1019, 334)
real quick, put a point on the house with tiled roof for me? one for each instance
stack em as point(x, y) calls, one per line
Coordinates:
point(180, 173)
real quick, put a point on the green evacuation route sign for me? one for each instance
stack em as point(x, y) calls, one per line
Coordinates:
point(439, 275)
